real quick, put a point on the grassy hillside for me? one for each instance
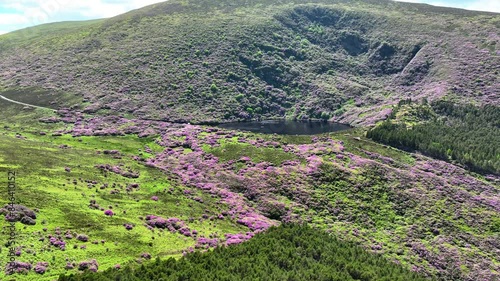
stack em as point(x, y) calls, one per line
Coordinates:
point(207, 60)
point(59, 177)
point(427, 215)
point(107, 177)
point(24, 37)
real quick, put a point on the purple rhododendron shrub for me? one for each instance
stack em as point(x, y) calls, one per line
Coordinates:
point(172, 224)
point(69, 266)
point(82, 237)
point(41, 267)
point(128, 173)
point(128, 226)
point(18, 213)
point(91, 265)
point(205, 243)
point(56, 242)
point(17, 267)
point(253, 193)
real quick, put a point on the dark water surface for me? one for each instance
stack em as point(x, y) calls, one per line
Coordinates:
point(286, 127)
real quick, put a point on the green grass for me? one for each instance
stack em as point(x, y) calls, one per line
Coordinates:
point(355, 142)
point(381, 201)
point(43, 183)
point(51, 31)
point(233, 150)
point(41, 97)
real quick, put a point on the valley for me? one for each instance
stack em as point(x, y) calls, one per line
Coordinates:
point(253, 140)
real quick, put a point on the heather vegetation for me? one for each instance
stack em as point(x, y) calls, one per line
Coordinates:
point(287, 252)
point(70, 211)
point(206, 60)
point(121, 191)
point(111, 176)
point(466, 134)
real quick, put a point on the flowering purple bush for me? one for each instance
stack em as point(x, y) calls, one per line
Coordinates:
point(82, 237)
point(19, 213)
point(17, 267)
point(253, 193)
point(205, 243)
point(41, 267)
point(57, 243)
point(118, 170)
point(172, 224)
point(232, 239)
point(245, 159)
point(109, 213)
point(91, 265)
point(69, 266)
point(253, 223)
point(185, 231)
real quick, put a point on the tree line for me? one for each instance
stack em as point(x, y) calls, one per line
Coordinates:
point(287, 252)
point(465, 134)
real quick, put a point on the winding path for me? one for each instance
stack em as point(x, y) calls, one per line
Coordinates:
point(26, 104)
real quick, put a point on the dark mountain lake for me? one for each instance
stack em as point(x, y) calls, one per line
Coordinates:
point(286, 127)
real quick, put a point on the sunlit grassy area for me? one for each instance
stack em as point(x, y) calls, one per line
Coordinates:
point(62, 197)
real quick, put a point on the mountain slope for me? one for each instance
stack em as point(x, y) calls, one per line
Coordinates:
point(73, 170)
point(287, 252)
point(209, 60)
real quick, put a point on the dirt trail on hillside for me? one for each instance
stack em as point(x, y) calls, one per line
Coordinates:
point(26, 104)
